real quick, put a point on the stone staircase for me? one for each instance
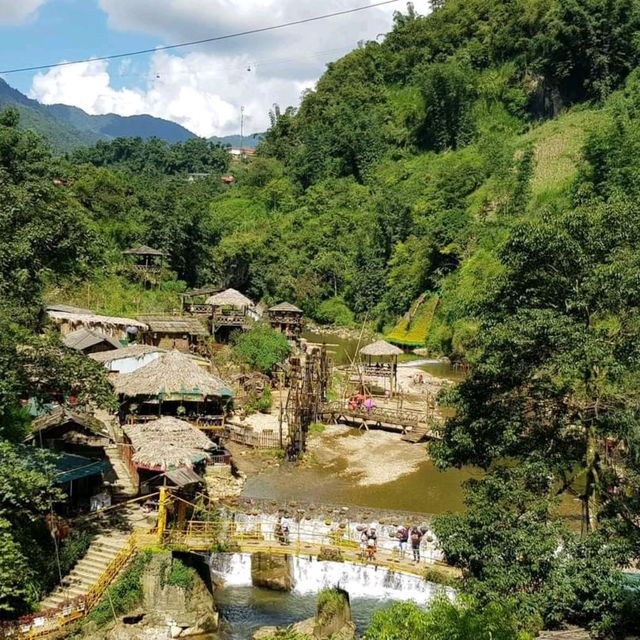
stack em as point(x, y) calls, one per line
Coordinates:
point(122, 487)
point(88, 570)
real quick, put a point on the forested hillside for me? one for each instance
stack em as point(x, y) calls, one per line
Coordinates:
point(485, 155)
point(68, 127)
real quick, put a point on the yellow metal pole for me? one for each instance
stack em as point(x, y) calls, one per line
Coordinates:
point(162, 514)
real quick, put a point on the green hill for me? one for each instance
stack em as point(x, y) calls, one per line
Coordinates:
point(69, 127)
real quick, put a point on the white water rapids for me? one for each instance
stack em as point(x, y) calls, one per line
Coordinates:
point(311, 576)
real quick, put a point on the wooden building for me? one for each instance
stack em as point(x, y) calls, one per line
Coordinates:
point(90, 341)
point(287, 319)
point(164, 445)
point(195, 300)
point(69, 319)
point(174, 332)
point(230, 310)
point(79, 441)
point(71, 432)
point(174, 384)
point(144, 259)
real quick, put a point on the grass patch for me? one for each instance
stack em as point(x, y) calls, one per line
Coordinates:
point(178, 575)
point(330, 603)
point(316, 429)
point(558, 146)
point(438, 576)
point(414, 333)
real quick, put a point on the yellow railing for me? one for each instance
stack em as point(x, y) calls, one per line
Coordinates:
point(51, 622)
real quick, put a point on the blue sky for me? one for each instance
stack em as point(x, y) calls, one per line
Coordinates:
point(202, 88)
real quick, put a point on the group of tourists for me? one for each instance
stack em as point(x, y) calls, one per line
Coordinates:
point(406, 536)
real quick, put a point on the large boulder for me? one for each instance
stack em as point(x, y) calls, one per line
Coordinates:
point(271, 571)
point(185, 602)
point(333, 618)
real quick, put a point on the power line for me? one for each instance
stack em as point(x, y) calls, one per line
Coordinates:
point(204, 41)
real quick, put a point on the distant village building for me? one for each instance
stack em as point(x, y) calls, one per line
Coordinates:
point(379, 361)
point(90, 341)
point(174, 332)
point(242, 152)
point(70, 319)
point(195, 300)
point(286, 318)
point(127, 359)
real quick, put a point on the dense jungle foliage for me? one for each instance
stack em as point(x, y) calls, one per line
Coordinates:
point(485, 157)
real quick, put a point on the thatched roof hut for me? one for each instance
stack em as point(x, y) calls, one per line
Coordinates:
point(144, 250)
point(286, 307)
point(110, 325)
point(179, 325)
point(381, 349)
point(230, 298)
point(173, 376)
point(167, 443)
point(69, 426)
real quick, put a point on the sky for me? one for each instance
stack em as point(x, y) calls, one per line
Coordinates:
point(203, 87)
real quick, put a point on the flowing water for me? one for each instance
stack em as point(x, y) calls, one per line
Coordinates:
point(244, 608)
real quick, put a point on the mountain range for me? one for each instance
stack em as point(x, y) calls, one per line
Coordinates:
point(67, 127)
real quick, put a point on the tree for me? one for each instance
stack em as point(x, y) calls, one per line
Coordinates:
point(261, 347)
point(512, 549)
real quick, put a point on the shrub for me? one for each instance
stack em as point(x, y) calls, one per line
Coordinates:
point(261, 347)
point(334, 311)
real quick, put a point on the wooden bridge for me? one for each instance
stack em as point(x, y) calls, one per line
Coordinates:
point(414, 425)
point(233, 532)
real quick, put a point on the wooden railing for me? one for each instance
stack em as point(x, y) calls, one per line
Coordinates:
point(193, 307)
point(257, 440)
point(383, 415)
point(230, 319)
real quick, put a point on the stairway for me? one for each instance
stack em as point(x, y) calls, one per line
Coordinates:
point(88, 570)
point(122, 486)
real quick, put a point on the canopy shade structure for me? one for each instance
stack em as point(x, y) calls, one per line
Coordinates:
point(380, 349)
point(229, 298)
point(173, 376)
point(69, 467)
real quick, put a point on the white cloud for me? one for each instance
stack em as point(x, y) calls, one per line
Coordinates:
point(204, 87)
point(18, 11)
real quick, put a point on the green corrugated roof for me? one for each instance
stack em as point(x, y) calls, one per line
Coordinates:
point(70, 467)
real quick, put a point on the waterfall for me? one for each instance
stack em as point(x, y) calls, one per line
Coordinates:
point(232, 568)
point(311, 575)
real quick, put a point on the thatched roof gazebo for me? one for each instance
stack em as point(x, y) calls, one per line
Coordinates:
point(380, 360)
point(167, 443)
point(381, 349)
point(173, 376)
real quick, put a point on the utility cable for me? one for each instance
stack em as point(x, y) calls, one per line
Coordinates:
point(203, 41)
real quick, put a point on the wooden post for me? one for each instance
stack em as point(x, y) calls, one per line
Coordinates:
point(162, 515)
point(181, 514)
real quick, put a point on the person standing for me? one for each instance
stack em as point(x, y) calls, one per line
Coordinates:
point(416, 539)
point(403, 538)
